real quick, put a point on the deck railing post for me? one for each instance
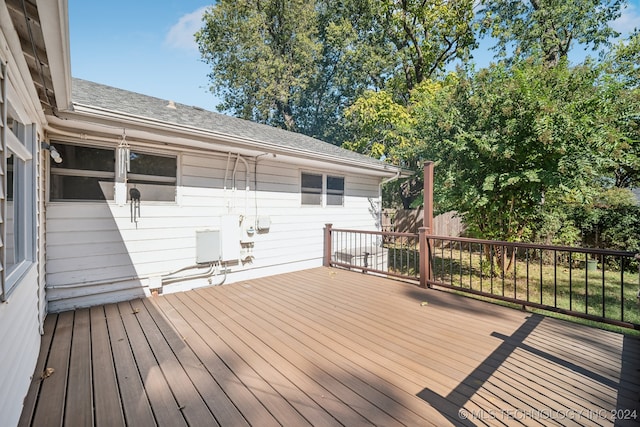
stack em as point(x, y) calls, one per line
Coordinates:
point(427, 222)
point(637, 257)
point(425, 257)
point(428, 197)
point(327, 245)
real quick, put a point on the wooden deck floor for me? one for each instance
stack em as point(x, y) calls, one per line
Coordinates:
point(327, 347)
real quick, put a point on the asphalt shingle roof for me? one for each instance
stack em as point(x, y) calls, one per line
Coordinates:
point(106, 97)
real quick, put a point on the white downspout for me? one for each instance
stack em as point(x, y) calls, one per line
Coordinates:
point(246, 181)
point(233, 180)
point(226, 175)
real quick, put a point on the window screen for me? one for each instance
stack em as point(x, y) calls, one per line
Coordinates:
point(153, 175)
point(311, 189)
point(335, 191)
point(86, 173)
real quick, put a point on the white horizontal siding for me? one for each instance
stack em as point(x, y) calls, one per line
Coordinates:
point(94, 250)
point(62, 300)
point(21, 313)
point(19, 345)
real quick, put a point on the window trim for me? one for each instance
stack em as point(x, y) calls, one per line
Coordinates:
point(324, 192)
point(81, 173)
point(172, 181)
point(117, 175)
point(333, 192)
point(156, 178)
point(320, 192)
point(17, 148)
point(25, 176)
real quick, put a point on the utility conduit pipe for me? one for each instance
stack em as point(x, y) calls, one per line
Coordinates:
point(166, 280)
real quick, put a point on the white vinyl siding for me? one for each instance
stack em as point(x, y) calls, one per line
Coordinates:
point(22, 308)
point(94, 243)
point(19, 332)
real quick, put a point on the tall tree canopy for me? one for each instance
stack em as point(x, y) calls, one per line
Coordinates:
point(522, 137)
point(263, 55)
point(622, 77)
point(549, 28)
point(510, 141)
point(298, 64)
point(425, 35)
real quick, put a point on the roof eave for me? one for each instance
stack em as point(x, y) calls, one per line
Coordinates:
point(118, 120)
point(54, 20)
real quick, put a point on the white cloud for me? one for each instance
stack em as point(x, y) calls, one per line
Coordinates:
point(628, 21)
point(180, 35)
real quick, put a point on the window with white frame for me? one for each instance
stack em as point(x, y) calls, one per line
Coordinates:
point(335, 190)
point(311, 189)
point(85, 173)
point(20, 212)
point(17, 192)
point(153, 175)
point(88, 173)
point(318, 189)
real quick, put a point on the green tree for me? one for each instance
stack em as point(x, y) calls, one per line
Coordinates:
point(262, 56)
point(547, 29)
point(623, 62)
point(380, 128)
point(425, 36)
point(512, 144)
point(352, 60)
point(621, 71)
point(528, 138)
point(612, 221)
point(298, 64)
point(523, 135)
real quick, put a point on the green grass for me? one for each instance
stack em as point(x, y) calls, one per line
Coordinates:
point(597, 293)
point(604, 292)
point(404, 259)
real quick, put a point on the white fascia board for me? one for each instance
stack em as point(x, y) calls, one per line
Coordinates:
point(54, 20)
point(118, 120)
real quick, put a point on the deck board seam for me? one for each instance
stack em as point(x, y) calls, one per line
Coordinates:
point(273, 320)
point(275, 350)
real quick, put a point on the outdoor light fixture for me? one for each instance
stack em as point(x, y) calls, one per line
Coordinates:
point(54, 153)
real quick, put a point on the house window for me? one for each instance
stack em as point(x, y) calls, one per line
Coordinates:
point(88, 173)
point(311, 189)
point(11, 219)
point(319, 190)
point(20, 217)
point(335, 190)
point(153, 175)
point(85, 173)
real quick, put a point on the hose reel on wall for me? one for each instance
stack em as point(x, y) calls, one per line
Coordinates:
point(134, 196)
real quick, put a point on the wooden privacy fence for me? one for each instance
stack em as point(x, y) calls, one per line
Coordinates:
point(410, 220)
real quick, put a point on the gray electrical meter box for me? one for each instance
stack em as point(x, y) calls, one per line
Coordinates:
point(208, 246)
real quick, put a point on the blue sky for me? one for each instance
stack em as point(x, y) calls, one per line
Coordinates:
point(147, 46)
